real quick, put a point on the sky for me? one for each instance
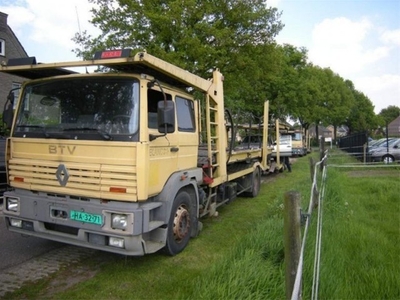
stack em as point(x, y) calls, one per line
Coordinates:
point(357, 39)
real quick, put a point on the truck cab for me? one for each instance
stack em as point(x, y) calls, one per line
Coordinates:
point(118, 160)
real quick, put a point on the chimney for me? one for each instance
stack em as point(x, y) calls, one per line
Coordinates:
point(3, 21)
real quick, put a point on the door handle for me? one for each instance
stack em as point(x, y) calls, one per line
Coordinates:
point(174, 149)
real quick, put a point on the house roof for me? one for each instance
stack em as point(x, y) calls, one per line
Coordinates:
point(394, 127)
point(395, 121)
point(10, 32)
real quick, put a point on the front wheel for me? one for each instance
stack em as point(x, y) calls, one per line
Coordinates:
point(179, 224)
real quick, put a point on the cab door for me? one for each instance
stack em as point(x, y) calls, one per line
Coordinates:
point(187, 133)
point(163, 149)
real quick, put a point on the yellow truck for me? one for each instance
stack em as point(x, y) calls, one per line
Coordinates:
point(299, 144)
point(124, 159)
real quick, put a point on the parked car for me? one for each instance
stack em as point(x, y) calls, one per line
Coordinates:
point(251, 142)
point(285, 146)
point(379, 143)
point(255, 142)
point(387, 153)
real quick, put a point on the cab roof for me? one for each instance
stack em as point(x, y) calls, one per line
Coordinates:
point(119, 61)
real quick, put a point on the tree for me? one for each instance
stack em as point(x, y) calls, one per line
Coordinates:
point(362, 117)
point(283, 88)
point(235, 36)
point(338, 100)
point(388, 114)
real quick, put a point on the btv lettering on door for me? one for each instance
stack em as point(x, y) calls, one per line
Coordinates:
point(60, 149)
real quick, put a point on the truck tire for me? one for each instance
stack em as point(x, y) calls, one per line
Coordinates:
point(255, 183)
point(179, 224)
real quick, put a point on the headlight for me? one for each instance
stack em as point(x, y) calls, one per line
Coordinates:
point(12, 204)
point(119, 221)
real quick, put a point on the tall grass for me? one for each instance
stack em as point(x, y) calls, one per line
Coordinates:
point(240, 254)
point(361, 236)
point(360, 246)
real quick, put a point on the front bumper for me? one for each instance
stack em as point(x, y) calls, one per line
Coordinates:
point(50, 217)
point(298, 151)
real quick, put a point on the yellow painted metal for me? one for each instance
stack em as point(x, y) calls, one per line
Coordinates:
point(265, 149)
point(144, 58)
point(95, 166)
point(278, 159)
point(243, 172)
point(92, 167)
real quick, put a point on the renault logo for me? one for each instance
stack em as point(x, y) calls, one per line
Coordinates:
point(62, 175)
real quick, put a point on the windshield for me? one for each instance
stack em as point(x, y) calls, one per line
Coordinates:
point(285, 139)
point(296, 136)
point(90, 108)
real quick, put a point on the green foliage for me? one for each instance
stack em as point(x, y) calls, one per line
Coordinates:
point(308, 93)
point(283, 88)
point(238, 37)
point(3, 130)
point(361, 238)
point(199, 36)
point(389, 114)
point(362, 117)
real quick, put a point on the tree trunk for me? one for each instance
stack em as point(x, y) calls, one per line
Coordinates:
point(334, 132)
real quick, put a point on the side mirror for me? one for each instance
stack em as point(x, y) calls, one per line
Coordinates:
point(166, 116)
point(8, 112)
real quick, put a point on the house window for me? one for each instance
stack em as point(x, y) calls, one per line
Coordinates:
point(2, 47)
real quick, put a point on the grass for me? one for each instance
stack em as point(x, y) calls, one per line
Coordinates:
point(240, 254)
point(361, 242)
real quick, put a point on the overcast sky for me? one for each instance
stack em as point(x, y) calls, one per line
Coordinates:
point(358, 39)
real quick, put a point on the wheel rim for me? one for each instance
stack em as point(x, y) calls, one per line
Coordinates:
point(181, 223)
point(387, 159)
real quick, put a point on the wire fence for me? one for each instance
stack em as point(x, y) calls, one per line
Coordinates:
point(317, 197)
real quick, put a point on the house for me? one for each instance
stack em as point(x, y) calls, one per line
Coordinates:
point(340, 131)
point(394, 128)
point(10, 47)
point(322, 131)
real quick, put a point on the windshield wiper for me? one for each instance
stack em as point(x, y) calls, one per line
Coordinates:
point(36, 126)
point(102, 133)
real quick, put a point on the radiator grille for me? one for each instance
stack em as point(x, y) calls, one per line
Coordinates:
point(84, 180)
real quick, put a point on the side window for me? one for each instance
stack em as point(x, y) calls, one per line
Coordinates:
point(153, 97)
point(185, 114)
point(2, 47)
point(16, 87)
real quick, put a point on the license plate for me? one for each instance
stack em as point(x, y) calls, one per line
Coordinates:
point(86, 217)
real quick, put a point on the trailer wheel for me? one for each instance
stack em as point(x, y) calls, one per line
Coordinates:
point(179, 224)
point(255, 183)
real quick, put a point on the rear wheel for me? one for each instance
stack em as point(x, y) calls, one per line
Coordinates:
point(388, 159)
point(255, 183)
point(179, 225)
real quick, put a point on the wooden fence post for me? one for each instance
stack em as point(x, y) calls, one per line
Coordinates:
point(312, 166)
point(292, 239)
point(321, 151)
point(365, 147)
point(315, 195)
